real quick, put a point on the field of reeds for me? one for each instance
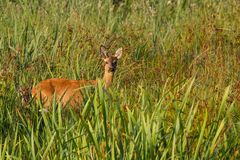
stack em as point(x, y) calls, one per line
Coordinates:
point(175, 93)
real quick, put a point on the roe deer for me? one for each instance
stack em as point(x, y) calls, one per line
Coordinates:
point(68, 91)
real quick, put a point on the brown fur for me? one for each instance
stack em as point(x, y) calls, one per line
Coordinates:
point(68, 91)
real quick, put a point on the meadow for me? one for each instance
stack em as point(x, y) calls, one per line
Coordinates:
point(175, 94)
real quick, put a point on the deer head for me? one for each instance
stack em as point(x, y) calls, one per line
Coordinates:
point(110, 64)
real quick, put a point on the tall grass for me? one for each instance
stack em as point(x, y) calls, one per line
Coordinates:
point(173, 95)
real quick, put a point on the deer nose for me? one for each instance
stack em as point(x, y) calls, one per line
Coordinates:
point(112, 69)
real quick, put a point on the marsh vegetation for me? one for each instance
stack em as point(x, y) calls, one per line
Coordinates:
point(175, 93)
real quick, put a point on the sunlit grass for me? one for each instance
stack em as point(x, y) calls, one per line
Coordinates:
point(173, 94)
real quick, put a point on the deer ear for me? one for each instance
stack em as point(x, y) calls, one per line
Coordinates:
point(103, 51)
point(118, 53)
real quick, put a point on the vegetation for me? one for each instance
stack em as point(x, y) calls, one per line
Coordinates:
point(175, 92)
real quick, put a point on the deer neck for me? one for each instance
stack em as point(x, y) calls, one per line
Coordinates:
point(108, 78)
